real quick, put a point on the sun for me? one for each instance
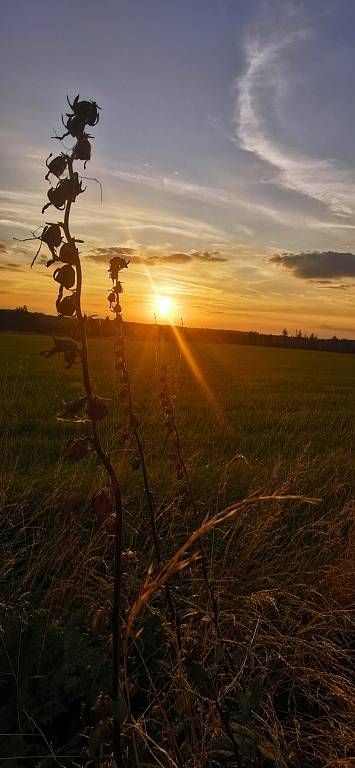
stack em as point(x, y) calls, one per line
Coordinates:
point(163, 305)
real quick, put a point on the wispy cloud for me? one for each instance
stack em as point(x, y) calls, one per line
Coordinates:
point(103, 255)
point(319, 179)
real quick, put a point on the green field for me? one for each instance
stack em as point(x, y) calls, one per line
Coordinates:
point(266, 421)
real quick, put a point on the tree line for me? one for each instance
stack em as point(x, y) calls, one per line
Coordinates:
point(21, 320)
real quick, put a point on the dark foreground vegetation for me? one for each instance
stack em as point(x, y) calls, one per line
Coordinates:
point(276, 686)
point(21, 320)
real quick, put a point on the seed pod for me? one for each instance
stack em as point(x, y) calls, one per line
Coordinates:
point(74, 406)
point(66, 189)
point(102, 502)
point(67, 307)
point(97, 408)
point(77, 449)
point(75, 126)
point(116, 264)
point(111, 298)
point(52, 236)
point(68, 253)
point(85, 110)
point(65, 276)
point(82, 149)
point(56, 166)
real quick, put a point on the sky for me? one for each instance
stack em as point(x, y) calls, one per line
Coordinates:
point(225, 150)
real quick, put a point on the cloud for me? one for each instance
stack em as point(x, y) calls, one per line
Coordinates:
point(319, 266)
point(136, 257)
point(263, 83)
point(103, 255)
point(181, 258)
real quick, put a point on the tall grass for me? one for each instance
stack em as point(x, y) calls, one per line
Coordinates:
point(282, 571)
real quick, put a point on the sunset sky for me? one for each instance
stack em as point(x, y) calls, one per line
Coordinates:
point(225, 147)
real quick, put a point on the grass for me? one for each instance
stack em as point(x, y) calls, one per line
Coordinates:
point(272, 421)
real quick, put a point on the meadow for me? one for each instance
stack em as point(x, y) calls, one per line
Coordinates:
point(253, 422)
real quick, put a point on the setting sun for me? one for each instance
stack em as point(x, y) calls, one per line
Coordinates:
point(163, 305)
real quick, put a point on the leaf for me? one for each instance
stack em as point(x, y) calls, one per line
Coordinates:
point(200, 680)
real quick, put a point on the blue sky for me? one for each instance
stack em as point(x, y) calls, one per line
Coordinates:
point(225, 146)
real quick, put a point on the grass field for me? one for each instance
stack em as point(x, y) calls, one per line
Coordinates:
point(255, 421)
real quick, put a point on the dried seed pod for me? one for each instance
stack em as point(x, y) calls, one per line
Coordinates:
point(65, 276)
point(87, 111)
point(68, 253)
point(75, 126)
point(56, 166)
point(77, 449)
point(66, 189)
point(116, 264)
point(57, 196)
point(102, 502)
point(66, 307)
point(62, 346)
point(52, 236)
point(74, 406)
point(97, 408)
point(82, 149)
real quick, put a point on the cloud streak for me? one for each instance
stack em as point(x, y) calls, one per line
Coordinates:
point(103, 255)
point(318, 179)
point(320, 266)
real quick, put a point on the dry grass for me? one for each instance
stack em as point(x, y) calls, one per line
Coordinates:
point(283, 571)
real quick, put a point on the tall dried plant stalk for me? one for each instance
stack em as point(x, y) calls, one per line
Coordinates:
point(63, 247)
point(117, 263)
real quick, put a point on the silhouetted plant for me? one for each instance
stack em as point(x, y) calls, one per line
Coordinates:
point(64, 251)
point(117, 264)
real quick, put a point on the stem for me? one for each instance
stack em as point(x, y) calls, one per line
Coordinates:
point(133, 425)
point(106, 463)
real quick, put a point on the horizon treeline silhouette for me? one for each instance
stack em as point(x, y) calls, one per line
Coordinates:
point(21, 320)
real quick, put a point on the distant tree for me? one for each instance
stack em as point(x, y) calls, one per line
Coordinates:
point(285, 332)
point(24, 308)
